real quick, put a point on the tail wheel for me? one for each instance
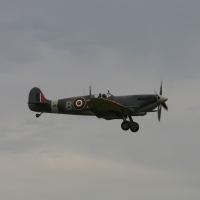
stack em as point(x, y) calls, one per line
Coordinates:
point(125, 125)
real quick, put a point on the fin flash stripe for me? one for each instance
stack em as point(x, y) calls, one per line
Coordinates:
point(40, 97)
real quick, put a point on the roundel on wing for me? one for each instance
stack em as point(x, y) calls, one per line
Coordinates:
point(79, 103)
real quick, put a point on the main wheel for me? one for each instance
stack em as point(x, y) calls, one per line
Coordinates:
point(37, 115)
point(134, 129)
point(125, 125)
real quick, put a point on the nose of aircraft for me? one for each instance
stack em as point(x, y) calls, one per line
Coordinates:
point(161, 99)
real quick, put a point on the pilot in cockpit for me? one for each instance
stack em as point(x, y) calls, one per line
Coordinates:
point(104, 96)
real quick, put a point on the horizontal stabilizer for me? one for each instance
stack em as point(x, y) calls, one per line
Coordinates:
point(38, 103)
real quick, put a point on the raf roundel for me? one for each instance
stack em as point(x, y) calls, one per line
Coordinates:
point(79, 103)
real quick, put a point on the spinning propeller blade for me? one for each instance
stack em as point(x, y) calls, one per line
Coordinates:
point(165, 106)
point(161, 88)
point(159, 112)
point(90, 92)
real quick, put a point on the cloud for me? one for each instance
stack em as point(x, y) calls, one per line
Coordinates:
point(126, 47)
point(65, 174)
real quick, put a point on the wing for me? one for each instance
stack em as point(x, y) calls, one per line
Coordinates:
point(104, 107)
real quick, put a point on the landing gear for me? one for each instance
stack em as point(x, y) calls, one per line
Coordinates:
point(133, 126)
point(38, 115)
point(125, 125)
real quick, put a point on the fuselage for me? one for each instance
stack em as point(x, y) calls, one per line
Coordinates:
point(137, 104)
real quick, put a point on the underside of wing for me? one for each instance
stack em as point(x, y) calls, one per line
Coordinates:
point(105, 108)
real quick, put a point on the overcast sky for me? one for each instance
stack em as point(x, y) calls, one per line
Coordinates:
point(126, 46)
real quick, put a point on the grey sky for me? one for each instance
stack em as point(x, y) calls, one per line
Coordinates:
point(126, 47)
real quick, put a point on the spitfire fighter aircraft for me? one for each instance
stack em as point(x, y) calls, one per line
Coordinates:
point(106, 106)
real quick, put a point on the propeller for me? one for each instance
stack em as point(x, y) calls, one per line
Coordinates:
point(161, 102)
point(90, 92)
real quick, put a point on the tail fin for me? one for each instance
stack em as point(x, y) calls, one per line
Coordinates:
point(36, 95)
point(37, 100)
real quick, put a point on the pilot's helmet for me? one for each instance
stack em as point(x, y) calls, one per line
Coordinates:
point(104, 95)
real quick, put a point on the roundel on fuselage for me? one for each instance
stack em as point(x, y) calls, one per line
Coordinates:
point(79, 103)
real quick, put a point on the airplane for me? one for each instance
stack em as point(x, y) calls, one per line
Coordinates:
point(106, 106)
